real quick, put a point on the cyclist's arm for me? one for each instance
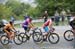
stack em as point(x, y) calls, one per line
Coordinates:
point(31, 25)
point(50, 24)
point(12, 27)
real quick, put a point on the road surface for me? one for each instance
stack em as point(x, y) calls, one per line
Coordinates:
point(63, 44)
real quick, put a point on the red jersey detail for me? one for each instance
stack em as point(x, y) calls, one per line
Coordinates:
point(49, 21)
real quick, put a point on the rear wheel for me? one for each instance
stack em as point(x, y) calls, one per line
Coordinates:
point(4, 40)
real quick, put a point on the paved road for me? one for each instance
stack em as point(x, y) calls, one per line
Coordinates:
point(63, 44)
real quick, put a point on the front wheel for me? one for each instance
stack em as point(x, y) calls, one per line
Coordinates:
point(4, 40)
point(68, 35)
point(37, 37)
point(53, 38)
point(16, 40)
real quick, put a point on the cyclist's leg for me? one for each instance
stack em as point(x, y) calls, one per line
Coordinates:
point(26, 31)
point(46, 32)
point(8, 35)
point(8, 32)
point(12, 35)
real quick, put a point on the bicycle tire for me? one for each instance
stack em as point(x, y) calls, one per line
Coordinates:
point(66, 33)
point(38, 40)
point(24, 36)
point(17, 38)
point(52, 41)
point(4, 40)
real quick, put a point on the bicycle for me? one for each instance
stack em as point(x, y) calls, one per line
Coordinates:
point(51, 36)
point(35, 35)
point(5, 39)
point(69, 35)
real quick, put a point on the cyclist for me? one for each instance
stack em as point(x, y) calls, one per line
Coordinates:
point(8, 29)
point(47, 25)
point(27, 25)
point(72, 24)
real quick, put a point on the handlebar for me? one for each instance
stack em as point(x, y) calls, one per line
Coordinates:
point(52, 30)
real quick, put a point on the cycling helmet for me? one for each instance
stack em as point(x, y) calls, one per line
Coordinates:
point(26, 17)
point(11, 22)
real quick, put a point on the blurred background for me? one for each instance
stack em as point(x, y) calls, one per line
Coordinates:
point(60, 11)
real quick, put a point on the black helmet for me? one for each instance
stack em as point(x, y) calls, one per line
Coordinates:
point(26, 17)
point(11, 22)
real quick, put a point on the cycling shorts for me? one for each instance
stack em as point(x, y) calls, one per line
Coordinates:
point(46, 29)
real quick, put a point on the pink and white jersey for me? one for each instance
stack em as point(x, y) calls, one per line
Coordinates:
point(49, 21)
point(28, 20)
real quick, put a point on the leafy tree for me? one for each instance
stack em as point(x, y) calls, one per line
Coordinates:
point(53, 5)
point(4, 11)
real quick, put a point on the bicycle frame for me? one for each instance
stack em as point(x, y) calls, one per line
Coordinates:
point(33, 31)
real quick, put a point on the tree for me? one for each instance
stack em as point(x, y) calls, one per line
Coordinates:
point(4, 11)
point(18, 8)
point(52, 5)
point(34, 12)
point(46, 5)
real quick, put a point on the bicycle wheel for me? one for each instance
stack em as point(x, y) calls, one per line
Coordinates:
point(23, 37)
point(4, 40)
point(37, 37)
point(16, 40)
point(68, 35)
point(53, 38)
